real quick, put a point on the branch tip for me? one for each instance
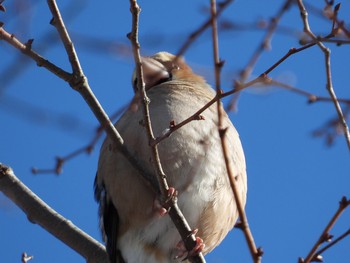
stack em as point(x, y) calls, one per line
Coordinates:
point(29, 43)
point(200, 117)
point(53, 21)
point(344, 202)
point(172, 124)
point(26, 258)
point(239, 225)
point(221, 63)
point(259, 252)
point(222, 131)
point(337, 7)
point(326, 238)
point(317, 258)
point(4, 169)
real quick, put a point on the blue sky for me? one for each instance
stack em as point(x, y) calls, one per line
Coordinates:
point(294, 179)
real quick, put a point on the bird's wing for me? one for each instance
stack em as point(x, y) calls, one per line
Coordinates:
point(109, 222)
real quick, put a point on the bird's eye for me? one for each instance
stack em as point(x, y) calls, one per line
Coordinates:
point(175, 66)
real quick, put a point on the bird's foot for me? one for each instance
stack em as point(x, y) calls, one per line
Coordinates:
point(159, 209)
point(198, 248)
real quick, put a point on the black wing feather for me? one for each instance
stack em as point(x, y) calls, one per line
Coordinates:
point(109, 222)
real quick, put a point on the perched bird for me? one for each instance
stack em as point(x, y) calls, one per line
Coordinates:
point(191, 158)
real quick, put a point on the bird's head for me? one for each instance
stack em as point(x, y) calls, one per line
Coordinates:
point(163, 67)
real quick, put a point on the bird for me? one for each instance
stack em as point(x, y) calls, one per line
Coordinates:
point(192, 159)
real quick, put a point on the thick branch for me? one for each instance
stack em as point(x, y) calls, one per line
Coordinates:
point(40, 213)
point(79, 82)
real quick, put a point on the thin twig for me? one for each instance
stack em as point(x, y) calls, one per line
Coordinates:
point(195, 34)
point(60, 161)
point(290, 52)
point(133, 36)
point(88, 148)
point(264, 44)
point(13, 70)
point(327, 39)
point(27, 50)
point(262, 79)
point(332, 127)
point(255, 253)
point(310, 96)
point(332, 243)
point(326, 51)
point(325, 235)
point(197, 115)
point(57, 21)
point(175, 213)
point(26, 258)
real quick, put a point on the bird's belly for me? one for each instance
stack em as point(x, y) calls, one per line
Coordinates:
point(193, 162)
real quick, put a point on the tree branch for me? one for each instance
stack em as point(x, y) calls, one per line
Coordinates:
point(195, 34)
point(255, 253)
point(175, 213)
point(325, 235)
point(327, 54)
point(38, 212)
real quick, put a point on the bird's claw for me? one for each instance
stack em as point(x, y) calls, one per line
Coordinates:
point(198, 248)
point(157, 206)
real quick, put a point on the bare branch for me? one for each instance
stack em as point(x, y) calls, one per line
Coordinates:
point(163, 185)
point(332, 243)
point(79, 83)
point(175, 213)
point(195, 34)
point(27, 50)
point(264, 44)
point(38, 212)
point(312, 98)
point(325, 235)
point(88, 148)
point(255, 253)
point(327, 53)
point(197, 115)
point(331, 128)
point(26, 258)
point(57, 21)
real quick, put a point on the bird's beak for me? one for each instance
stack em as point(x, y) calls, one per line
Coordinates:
point(153, 73)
